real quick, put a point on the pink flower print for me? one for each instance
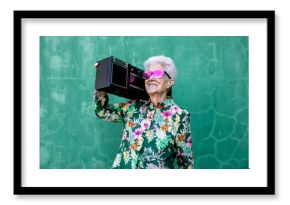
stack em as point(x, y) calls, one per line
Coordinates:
point(137, 133)
point(150, 115)
point(130, 102)
point(188, 142)
point(124, 136)
point(167, 114)
point(145, 124)
point(177, 110)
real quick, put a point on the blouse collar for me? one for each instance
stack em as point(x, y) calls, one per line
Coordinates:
point(168, 102)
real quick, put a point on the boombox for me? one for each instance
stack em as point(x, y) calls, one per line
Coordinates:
point(117, 77)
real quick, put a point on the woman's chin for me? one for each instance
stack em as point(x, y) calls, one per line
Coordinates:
point(151, 92)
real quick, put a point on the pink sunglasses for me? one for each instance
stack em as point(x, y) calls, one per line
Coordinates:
point(156, 74)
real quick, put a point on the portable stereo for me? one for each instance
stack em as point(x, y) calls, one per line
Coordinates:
point(117, 77)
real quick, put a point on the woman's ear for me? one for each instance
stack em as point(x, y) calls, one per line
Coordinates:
point(170, 83)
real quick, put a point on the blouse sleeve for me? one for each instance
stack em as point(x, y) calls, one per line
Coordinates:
point(184, 143)
point(105, 111)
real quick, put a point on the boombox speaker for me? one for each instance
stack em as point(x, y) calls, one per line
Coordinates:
point(117, 77)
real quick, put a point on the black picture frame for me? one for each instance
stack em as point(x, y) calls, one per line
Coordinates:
point(19, 189)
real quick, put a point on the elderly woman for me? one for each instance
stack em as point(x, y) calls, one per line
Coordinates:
point(157, 131)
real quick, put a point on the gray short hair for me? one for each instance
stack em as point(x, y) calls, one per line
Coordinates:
point(166, 62)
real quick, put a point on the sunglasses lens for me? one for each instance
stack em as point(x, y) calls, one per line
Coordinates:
point(146, 75)
point(158, 73)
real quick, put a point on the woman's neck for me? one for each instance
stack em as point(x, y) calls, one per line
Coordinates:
point(157, 98)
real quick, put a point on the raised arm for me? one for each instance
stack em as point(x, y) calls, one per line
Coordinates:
point(105, 111)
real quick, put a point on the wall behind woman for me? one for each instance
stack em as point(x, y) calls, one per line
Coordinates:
point(212, 84)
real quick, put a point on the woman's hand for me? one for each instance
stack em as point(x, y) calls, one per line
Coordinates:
point(99, 93)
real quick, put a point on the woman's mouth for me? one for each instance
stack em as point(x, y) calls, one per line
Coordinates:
point(152, 86)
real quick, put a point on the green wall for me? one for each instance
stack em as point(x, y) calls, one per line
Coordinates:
point(212, 84)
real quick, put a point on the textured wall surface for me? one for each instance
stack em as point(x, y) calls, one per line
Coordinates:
point(212, 84)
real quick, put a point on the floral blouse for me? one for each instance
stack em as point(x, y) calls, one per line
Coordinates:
point(154, 137)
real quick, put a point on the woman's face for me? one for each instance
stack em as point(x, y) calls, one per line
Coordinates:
point(155, 85)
